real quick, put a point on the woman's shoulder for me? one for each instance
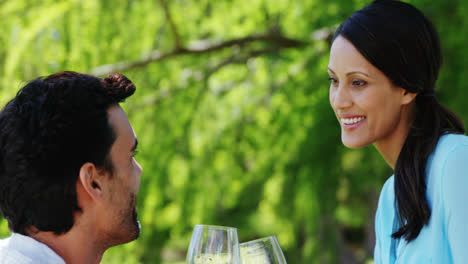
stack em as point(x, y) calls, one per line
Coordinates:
point(449, 164)
point(448, 142)
point(387, 196)
point(449, 146)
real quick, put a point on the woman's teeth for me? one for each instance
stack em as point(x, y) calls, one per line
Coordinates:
point(350, 121)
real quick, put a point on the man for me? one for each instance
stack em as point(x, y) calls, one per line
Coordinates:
point(68, 176)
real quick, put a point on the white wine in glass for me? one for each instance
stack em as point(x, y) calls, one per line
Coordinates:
point(213, 245)
point(262, 251)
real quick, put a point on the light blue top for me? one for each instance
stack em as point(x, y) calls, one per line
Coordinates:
point(445, 238)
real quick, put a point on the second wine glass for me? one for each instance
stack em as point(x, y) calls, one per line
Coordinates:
point(262, 251)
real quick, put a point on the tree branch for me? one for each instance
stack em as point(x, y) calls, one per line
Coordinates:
point(175, 33)
point(198, 47)
point(163, 94)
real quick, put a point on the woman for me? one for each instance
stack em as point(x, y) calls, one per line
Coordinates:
point(384, 63)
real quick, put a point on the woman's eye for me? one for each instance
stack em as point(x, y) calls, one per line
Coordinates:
point(359, 83)
point(333, 81)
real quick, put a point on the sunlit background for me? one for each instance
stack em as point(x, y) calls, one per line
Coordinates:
point(231, 112)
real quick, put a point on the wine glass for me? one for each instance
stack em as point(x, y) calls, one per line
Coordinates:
point(262, 251)
point(213, 245)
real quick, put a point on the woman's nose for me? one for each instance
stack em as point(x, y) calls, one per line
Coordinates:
point(340, 98)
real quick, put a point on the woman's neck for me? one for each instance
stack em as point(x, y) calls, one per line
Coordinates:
point(390, 146)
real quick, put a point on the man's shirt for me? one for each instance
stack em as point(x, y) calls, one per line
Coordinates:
point(19, 249)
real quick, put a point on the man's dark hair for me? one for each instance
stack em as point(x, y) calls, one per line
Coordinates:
point(47, 132)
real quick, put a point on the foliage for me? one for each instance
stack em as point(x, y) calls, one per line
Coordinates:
point(239, 135)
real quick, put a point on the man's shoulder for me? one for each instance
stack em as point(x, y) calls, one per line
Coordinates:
point(5, 243)
point(19, 249)
point(8, 253)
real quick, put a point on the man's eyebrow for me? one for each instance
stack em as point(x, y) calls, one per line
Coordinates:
point(135, 145)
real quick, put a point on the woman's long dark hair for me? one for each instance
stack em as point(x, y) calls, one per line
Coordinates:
point(401, 42)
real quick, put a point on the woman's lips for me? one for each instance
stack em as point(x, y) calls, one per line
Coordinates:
point(352, 121)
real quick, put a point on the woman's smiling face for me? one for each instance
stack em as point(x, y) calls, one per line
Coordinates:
point(366, 103)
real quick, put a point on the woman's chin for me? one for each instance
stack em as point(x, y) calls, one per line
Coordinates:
point(354, 143)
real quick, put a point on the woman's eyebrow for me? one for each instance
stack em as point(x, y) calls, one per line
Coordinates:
point(358, 72)
point(350, 73)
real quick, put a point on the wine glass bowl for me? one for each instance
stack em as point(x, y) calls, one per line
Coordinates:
point(213, 245)
point(262, 251)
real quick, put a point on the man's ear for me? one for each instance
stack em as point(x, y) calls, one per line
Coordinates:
point(407, 97)
point(91, 180)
